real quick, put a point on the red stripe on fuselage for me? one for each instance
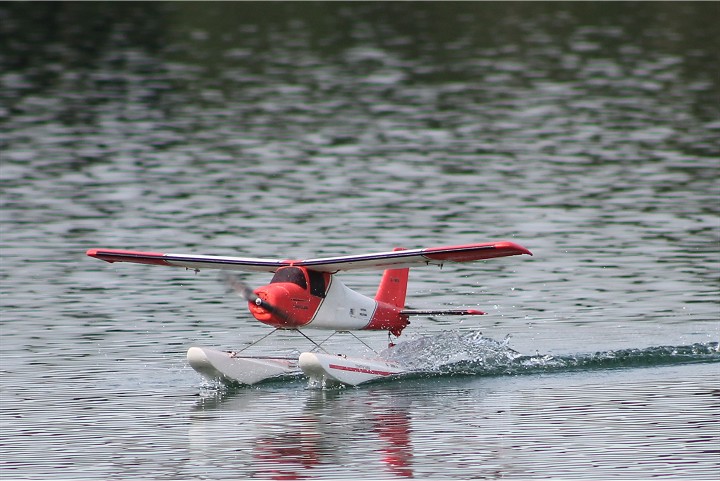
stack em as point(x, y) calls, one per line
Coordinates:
point(360, 369)
point(387, 318)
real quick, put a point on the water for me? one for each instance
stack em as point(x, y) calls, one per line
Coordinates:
point(585, 132)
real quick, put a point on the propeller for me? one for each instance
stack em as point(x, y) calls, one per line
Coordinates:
point(247, 293)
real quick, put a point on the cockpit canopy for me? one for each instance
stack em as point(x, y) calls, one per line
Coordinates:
point(294, 275)
point(299, 277)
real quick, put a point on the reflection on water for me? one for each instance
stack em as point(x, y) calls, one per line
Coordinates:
point(305, 443)
point(586, 131)
point(502, 427)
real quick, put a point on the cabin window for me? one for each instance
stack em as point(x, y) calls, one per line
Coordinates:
point(317, 283)
point(290, 274)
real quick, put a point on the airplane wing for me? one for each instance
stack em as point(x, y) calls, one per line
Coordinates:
point(380, 260)
point(190, 261)
point(416, 257)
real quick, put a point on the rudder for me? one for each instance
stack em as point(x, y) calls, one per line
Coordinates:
point(393, 286)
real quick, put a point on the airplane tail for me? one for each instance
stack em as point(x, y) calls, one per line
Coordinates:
point(393, 286)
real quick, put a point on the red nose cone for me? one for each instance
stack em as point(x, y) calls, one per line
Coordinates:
point(279, 308)
point(258, 312)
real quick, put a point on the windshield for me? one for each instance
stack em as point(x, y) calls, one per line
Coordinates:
point(290, 274)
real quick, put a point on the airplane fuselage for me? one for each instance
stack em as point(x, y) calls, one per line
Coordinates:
point(309, 299)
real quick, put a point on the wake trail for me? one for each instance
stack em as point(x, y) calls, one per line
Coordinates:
point(454, 353)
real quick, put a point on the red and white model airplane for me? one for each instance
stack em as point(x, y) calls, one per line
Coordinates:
point(306, 294)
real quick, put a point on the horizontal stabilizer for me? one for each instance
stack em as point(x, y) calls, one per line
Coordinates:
point(441, 312)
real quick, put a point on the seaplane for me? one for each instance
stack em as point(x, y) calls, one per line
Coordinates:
point(306, 294)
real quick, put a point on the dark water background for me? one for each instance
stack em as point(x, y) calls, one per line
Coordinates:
point(587, 132)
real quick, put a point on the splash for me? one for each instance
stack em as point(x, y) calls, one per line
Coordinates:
point(451, 348)
point(454, 353)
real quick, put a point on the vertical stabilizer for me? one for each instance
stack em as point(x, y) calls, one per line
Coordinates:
point(393, 286)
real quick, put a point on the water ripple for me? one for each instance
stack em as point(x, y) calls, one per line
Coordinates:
point(588, 132)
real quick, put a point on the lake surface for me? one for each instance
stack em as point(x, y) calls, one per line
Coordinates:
point(589, 133)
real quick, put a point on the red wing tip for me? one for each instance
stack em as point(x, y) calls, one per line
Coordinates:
point(453, 253)
point(95, 253)
point(114, 255)
point(512, 245)
point(475, 312)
